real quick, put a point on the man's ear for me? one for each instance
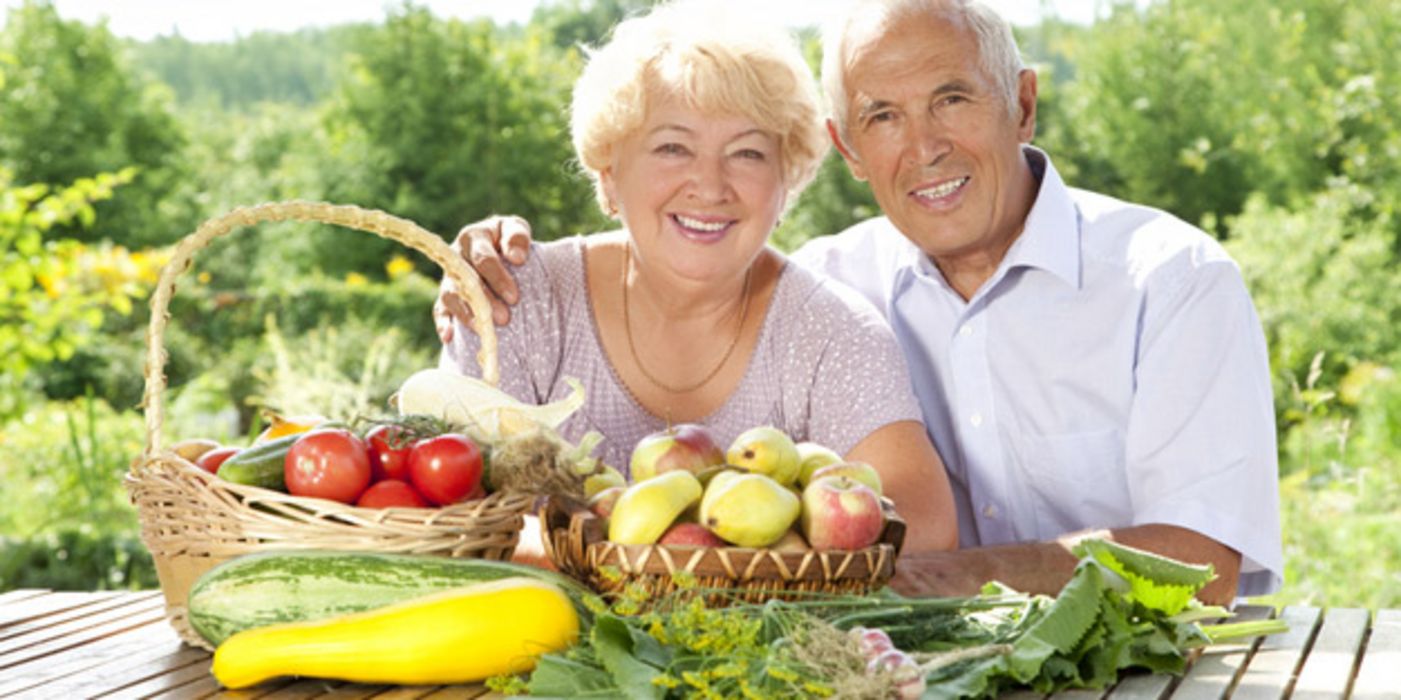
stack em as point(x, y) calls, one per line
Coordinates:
point(1026, 104)
point(852, 162)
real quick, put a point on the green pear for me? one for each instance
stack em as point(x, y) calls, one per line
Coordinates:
point(811, 457)
point(750, 510)
point(608, 477)
point(647, 509)
point(766, 450)
point(718, 481)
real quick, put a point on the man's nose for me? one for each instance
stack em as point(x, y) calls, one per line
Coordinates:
point(927, 140)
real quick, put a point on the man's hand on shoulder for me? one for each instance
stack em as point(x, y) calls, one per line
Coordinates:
point(487, 246)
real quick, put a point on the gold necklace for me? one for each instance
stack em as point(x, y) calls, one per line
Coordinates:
point(632, 347)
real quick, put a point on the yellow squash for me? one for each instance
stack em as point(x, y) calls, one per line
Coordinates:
point(462, 635)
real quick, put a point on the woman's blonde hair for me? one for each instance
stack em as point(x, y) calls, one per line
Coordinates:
point(713, 60)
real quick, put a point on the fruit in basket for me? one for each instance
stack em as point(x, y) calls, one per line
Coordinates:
point(791, 541)
point(282, 426)
point(496, 628)
point(446, 468)
point(601, 504)
point(690, 535)
point(212, 460)
point(646, 509)
point(606, 478)
point(811, 457)
point(391, 493)
point(750, 510)
point(328, 463)
point(841, 513)
point(766, 450)
point(194, 448)
point(687, 446)
point(859, 471)
point(389, 447)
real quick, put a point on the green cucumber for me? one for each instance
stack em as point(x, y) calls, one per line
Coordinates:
point(264, 464)
point(261, 465)
point(294, 586)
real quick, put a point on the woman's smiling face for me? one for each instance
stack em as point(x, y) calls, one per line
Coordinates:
point(698, 192)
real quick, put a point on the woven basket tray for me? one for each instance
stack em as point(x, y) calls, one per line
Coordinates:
point(577, 543)
point(192, 520)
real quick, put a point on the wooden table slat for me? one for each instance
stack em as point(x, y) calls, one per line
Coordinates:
point(1214, 672)
point(78, 660)
point(1079, 694)
point(52, 608)
point(119, 672)
point(1278, 657)
point(1380, 673)
point(52, 640)
point(9, 597)
point(1143, 686)
point(1333, 656)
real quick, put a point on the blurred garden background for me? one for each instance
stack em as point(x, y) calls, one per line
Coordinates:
point(1273, 124)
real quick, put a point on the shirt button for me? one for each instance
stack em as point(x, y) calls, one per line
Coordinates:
point(990, 511)
point(976, 419)
point(966, 330)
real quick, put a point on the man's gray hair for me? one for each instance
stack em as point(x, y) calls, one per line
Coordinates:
point(997, 47)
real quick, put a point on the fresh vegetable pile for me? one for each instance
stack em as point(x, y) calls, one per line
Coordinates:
point(1122, 609)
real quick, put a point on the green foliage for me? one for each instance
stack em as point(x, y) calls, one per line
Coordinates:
point(572, 23)
point(459, 121)
point(70, 107)
point(50, 301)
point(298, 68)
point(76, 560)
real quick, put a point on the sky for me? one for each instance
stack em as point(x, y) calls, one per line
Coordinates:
point(223, 20)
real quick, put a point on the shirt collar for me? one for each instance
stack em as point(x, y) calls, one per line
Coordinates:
point(1050, 238)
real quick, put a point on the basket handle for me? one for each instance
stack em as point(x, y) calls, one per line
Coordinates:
point(368, 220)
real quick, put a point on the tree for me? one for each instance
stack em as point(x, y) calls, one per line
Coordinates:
point(70, 107)
point(444, 122)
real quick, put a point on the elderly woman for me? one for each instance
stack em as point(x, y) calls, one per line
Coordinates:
point(697, 131)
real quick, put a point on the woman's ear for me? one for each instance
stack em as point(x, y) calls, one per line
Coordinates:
point(609, 188)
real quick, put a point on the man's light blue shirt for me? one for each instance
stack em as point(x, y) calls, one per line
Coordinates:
point(1112, 372)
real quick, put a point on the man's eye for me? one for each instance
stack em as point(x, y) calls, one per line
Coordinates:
point(880, 117)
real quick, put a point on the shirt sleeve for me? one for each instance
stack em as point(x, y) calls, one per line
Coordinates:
point(1201, 438)
point(524, 351)
point(859, 383)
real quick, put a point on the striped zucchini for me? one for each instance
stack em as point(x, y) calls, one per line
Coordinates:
point(297, 586)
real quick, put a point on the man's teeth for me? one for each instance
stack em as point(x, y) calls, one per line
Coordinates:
point(942, 190)
point(697, 224)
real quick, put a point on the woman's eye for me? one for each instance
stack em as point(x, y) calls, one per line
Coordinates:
point(670, 149)
point(751, 154)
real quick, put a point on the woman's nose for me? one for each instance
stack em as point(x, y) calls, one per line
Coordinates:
point(709, 180)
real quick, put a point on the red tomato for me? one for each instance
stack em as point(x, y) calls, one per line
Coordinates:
point(391, 493)
point(445, 468)
point(213, 459)
point(389, 453)
point(331, 463)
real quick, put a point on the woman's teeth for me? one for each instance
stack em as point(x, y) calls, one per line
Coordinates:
point(943, 189)
point(698, 225)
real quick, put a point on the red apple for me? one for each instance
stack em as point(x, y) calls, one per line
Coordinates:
point(841, 513)
point(690, 535)
point(601, 503)
point(686, 446)
point(213, 459)
point(860, 471)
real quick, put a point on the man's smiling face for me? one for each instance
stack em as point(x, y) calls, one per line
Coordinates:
point(933, 134)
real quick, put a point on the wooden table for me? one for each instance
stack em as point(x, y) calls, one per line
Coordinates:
point(118, 645)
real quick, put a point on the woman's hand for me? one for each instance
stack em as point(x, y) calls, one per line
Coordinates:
point(482, 245)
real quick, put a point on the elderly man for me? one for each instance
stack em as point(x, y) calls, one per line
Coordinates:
point(1085, 366)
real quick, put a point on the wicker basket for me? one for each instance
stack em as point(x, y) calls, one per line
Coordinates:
point(577, 543)
point(192, 520)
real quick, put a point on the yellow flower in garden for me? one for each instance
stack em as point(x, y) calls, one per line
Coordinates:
point(398, 266)
point(203, 277)
point(355, 279)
